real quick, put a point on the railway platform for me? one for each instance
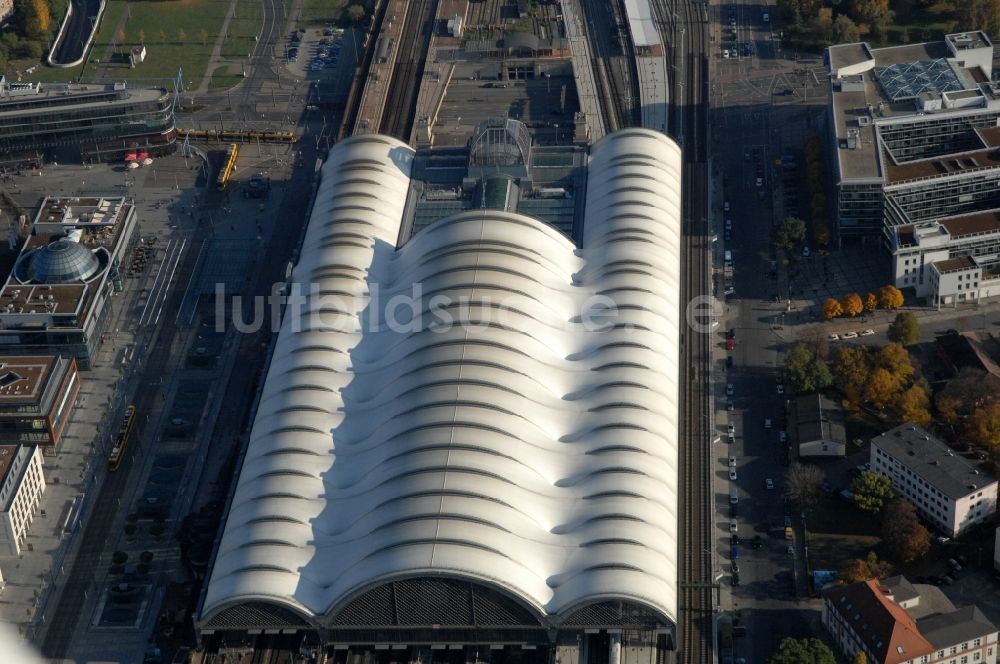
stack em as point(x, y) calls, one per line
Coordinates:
point(583, 73)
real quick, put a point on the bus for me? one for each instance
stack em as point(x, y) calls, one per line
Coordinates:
point(227, 168)
point(118, 451)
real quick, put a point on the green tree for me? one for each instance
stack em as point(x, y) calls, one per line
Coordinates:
point(845, 31)
point(805, 371)
point(871, 491)
point(802, 651)
point(789, 234)
point(904, 329)
point(902, 533)
point(983, 14)
point(802, 484)
point(356, 13)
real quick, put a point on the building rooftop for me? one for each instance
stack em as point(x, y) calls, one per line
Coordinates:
point(901, 588)
point(948, 629)
point(874, 86)
point(847, 55)
point(59, 264)
point(45, 97)
point(819, 418)
point(884, 627)
point(23, 378)
point(961, 41)
point(959, 264)
point(933, 461)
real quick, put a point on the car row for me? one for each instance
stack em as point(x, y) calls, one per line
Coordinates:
point(850, 335)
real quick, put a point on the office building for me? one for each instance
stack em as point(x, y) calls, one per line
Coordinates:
point(950, 260)
point(948, 491)
point(496, 469)
point(61, 275)
point(895, 622)
point(22, 484)
point(914, 133)
point(37, 395)
point(83, 122)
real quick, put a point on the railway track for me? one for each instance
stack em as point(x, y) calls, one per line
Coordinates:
point(353, 106)
point(686, 21)
point(615, 74)
point(404, 84)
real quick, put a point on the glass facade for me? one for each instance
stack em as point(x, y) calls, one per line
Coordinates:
point(120, 120)
point(923, 139)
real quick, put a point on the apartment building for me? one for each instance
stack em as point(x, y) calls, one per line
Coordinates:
point(913, 124)
point(895, 622)
point(948, 491)
point(22, 484)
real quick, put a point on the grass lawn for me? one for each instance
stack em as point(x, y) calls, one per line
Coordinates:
point(838, 531)
point(243, 27)
point(225, 77)
point(325, 11)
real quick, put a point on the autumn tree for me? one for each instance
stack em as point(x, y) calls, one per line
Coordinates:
point(802, 484)
point(902, 533)
point(860, 658)
point(984, 427)
point(893, 358)
point(871, 491)
point(805, 371)
point(37, 19)
point(858, 569)
point(913, 405)
point(904, 329)
point(852, 304)
point(871, 302)
point(881, 388)
point(969, 390)
point(851, 366)
point(890, 297)
point(832, 308)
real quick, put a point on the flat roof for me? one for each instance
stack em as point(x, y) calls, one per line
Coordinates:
point(975, 223)
point(959, 264)
point(100, 221)
point(35, 102)
point(23, 378)
point(846, 55)
point(941, 166)
point(933, 461)
point(967, 40)
point(641, 23)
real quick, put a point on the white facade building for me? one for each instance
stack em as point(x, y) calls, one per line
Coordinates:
point(951, 260)
point(23, 483)
point(947, 490)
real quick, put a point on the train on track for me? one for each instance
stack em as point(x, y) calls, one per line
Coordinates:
point(121, 441)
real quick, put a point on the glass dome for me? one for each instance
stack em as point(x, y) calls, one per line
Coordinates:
point(62, 262)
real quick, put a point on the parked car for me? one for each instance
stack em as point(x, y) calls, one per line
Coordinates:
point(732, 474)
point(781, 389)
point(849, 335)
point(866, 333)
point(782, 437)
point(833, 337)
point(769, 483)
point(731, 429)
point(733, 526)
point(730, 390)
point(732, 462)
point(767, 422)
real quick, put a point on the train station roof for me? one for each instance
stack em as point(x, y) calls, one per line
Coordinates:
point(513, 423)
